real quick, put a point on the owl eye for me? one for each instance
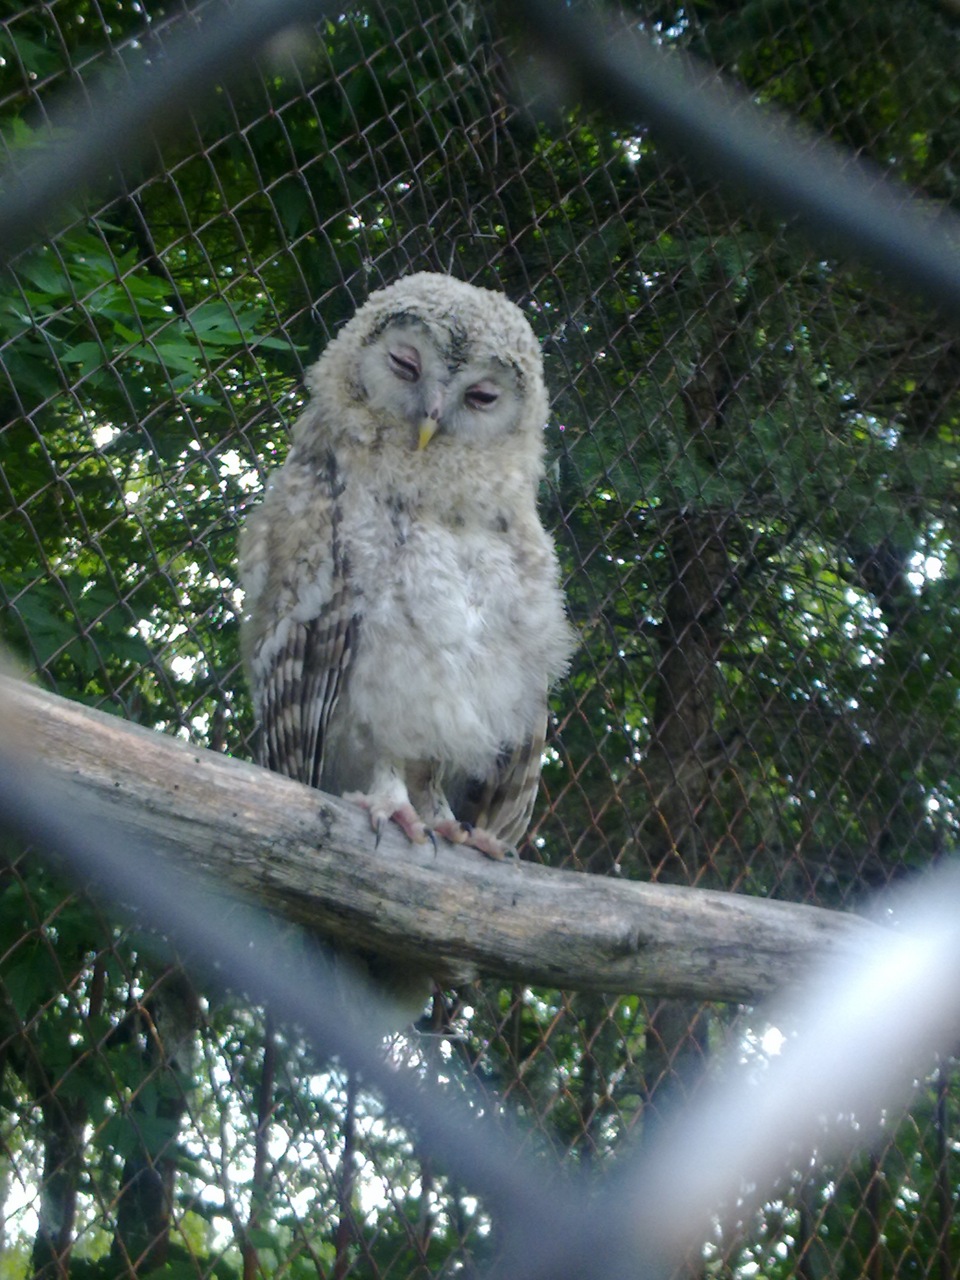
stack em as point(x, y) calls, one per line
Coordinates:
point(405, 363)
point(482, 395)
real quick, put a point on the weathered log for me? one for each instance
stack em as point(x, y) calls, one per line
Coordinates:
point(311, 857)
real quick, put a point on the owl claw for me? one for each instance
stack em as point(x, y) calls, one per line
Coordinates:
point(474, 837)
point(452, 830)
point(488, 845)
point(383, 811)
point(410, 823)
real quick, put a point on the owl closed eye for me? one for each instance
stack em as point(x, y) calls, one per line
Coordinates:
point(408, 374)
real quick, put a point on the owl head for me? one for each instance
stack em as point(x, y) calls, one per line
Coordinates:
point(430, 362)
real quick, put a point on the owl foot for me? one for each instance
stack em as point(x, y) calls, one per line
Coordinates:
point(382, 811)
point(409, 829)
point(474, 837)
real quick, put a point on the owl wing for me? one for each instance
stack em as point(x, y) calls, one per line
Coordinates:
point(300, 688)
point(502, 802)
point(298, 665)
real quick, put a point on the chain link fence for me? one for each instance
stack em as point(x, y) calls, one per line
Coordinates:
point(753, 486)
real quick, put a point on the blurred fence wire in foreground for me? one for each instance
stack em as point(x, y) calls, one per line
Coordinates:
point(856, 1043)
point(753, 486)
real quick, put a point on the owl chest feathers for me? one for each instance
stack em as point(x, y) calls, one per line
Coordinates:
point(460, 626)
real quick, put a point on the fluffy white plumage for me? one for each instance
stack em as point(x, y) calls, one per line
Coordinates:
point(403, 617)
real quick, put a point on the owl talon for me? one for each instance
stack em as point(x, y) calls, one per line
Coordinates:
point(488, 845)
point(474, 837)
point(383, 810)
point(410, 823)
point(452, 830)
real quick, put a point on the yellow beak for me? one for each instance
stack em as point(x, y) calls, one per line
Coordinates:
point(428, 429)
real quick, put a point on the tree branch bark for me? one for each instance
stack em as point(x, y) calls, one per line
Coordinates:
point(311, 857)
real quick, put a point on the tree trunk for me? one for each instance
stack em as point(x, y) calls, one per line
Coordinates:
point(678, 769)
point(346, 1232)
point(169, 1018)
point(268, 1071)
point(679, 764)
point(63, 1125)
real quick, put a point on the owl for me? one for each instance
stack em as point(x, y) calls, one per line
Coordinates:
point(403, 619)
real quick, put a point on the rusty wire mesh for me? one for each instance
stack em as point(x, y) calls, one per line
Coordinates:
point(753, 486)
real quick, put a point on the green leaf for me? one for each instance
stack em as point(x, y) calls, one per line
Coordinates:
point(32, 979)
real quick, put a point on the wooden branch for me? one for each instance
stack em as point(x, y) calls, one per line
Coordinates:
point(311, 857)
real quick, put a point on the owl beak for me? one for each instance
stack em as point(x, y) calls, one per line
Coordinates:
point(428, 429)
point(430, 422)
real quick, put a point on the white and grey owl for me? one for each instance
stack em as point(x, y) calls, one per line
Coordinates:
point(403, 615)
